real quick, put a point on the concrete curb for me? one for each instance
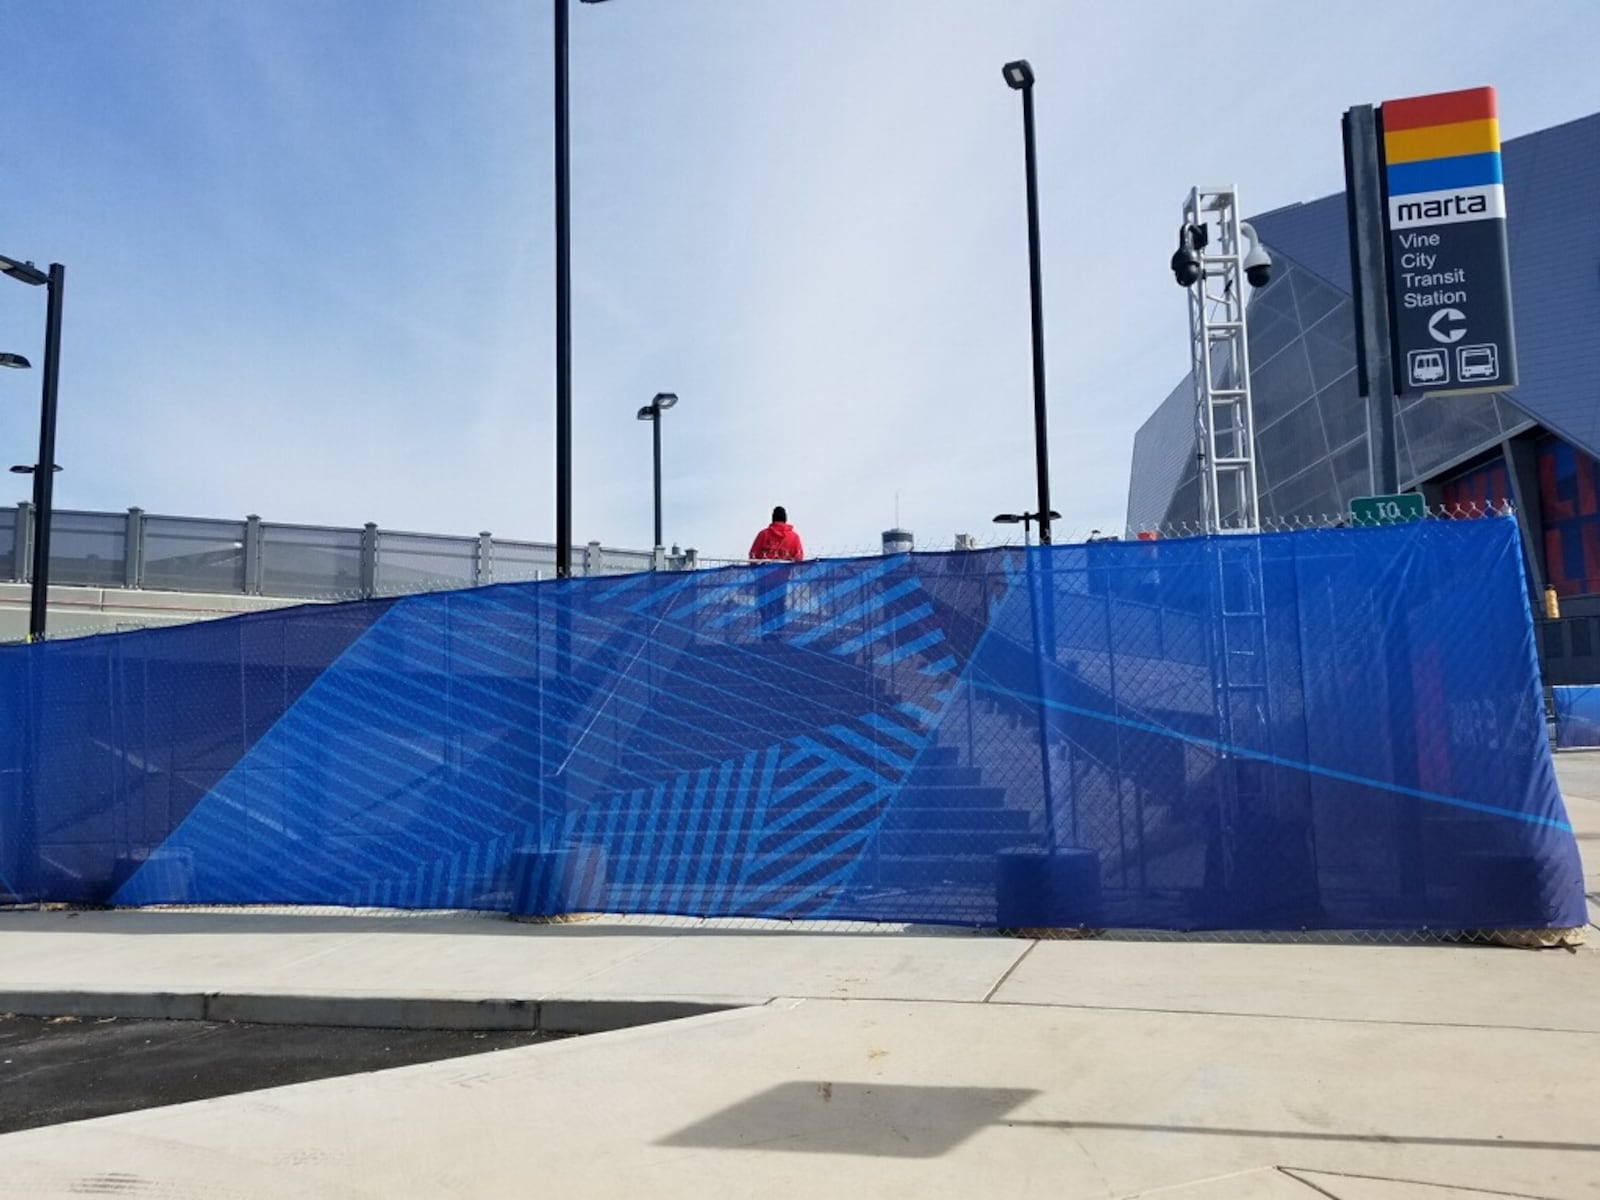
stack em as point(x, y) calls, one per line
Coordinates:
point(548, 1015)
point(138, 1006)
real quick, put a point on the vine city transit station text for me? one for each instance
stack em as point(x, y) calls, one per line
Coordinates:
point(1450, 283)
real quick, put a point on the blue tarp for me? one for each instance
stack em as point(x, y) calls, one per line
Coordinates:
point(1332, 729)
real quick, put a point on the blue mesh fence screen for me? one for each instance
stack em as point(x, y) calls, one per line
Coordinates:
point(1577, 712)
point(1338, 729)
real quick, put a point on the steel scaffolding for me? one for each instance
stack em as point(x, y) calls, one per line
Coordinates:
point(1221, 362)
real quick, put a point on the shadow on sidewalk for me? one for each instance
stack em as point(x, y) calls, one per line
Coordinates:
point(914, 1121)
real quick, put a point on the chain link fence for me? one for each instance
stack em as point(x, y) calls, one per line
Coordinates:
point(1287, 735)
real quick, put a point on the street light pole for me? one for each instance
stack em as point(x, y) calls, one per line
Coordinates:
point(1019, 76)
point(1041, 615)
point(652, 412)
point(563, 296)
point(44, 472)
point(563, 303)
point(655, 431)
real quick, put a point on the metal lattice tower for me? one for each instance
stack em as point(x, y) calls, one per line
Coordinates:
point(1221, 361)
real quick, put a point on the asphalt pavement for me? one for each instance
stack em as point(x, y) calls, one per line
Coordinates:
point(65, 1068)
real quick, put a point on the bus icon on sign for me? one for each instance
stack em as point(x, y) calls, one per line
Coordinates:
point(1478, 362)
point(1428, 367)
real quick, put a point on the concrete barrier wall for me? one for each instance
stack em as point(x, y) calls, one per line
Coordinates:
point(77, 611)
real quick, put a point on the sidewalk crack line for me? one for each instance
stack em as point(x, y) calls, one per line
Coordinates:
point(998, 983)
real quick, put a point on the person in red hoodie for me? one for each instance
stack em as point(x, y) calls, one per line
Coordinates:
point(778, 540)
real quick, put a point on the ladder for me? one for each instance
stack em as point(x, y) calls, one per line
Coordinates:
point(1240, 678)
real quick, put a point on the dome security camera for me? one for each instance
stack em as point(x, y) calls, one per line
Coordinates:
point(1185, 260)
point(1257, 263)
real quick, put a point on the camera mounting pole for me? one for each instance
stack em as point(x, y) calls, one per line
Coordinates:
point(1211, 264)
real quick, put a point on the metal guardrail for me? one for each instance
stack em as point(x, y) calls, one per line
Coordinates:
point(252, 557)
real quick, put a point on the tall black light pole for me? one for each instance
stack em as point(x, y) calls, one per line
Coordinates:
point(652, 412)
point(563, 307)
point(44, 469)
point(563, 300)
point(1019, 76)
point(1043, 625)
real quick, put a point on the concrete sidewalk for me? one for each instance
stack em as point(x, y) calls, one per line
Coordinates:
point(1080, 1075)
point(917, 1062)
point(611, 972)
point(856, 1064)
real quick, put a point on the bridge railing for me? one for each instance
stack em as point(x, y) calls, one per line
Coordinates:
point(252, 557)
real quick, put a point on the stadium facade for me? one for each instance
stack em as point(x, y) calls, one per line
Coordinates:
point(1537, 447)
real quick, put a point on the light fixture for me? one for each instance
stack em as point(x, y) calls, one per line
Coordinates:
point(14, 360)
point(1018, 74)
point(23, 271)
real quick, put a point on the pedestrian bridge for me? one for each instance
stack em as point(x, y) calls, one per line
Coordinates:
point(117, 571)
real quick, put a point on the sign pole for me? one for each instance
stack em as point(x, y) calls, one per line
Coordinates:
point(1369, 271)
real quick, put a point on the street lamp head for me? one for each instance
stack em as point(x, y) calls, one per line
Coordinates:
point(1018, 74)
point(14, 360)
point(1008, 519)
point(24, 469)
point(24, 271)
point(647, 413)
point(664, 400)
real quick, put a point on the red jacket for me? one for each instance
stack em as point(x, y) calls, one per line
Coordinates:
point(778, 540)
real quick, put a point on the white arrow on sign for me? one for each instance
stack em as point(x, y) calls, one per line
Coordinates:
point(1448, 325)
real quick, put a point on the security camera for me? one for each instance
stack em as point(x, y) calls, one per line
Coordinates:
point(1185, 260)
point(1257, 263)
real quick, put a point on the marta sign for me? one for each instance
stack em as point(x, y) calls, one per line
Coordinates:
point(1449, 273)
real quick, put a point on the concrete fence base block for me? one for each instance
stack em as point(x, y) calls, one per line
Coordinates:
point(164, 873)
point(557, 881)
point(1056, 890)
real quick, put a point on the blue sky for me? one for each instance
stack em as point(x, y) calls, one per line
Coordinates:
point(309, 243)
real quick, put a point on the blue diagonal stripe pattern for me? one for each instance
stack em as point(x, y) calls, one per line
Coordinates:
point(1062, 735)
point(747, 773)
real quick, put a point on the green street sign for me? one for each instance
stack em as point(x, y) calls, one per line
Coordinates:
point(1388, 510)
